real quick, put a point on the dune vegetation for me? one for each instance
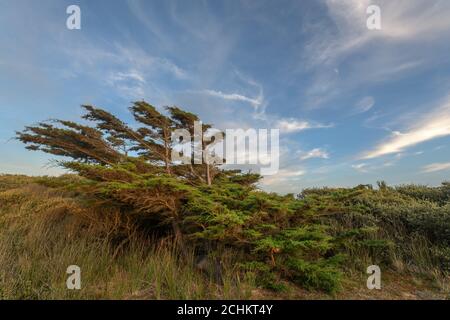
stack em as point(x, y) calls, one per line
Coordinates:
point(140, 226)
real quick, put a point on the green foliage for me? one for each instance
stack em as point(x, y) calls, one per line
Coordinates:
point(439, 195)
point(265, 275)
point(303, 239)
point(320, 274)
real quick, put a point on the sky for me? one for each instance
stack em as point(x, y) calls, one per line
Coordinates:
point(353, 105)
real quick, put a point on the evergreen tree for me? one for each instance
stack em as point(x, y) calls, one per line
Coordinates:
point(198, 203)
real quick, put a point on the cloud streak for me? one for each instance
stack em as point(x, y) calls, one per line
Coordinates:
point(255, 102)
point(390, 53)
point(432, 126)
point(315, 153)
point(282, 176)
point(361, 167)
point(364, 105)
point(434, 167)
point(292, 125)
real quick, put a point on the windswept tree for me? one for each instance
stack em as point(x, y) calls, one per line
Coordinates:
point(72, 140)
point(155, 144)
point(129, 168)
point(131, 164)
point(201, 166)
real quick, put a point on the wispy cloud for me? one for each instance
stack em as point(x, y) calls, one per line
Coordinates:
point(255, 102)
point(432, 126)
point(89, 58)
point(315, 153)
point(145, 62)
point(390, 53)
point(283, 175)
point(131, 70)
point(172, 68)
point(130, 84)
point(434, 167)
point(364, 105)
point(292, 125)
point(404, 20)
point(361, 167)
point(123, 76)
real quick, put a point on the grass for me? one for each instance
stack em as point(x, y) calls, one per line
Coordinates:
point(43, 231)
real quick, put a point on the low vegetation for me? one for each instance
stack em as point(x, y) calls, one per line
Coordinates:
point(140, 225)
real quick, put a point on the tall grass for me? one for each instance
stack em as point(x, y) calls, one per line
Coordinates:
point(43, 232)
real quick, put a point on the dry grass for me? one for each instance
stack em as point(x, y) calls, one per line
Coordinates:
point(43, 232)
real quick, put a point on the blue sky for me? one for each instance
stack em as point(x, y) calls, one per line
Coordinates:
point(353, 105)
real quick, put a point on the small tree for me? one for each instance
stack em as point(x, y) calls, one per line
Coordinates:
point(131, 166)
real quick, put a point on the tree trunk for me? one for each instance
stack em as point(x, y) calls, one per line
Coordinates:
point(208, 174)
point(179, 241)
point(167, 155)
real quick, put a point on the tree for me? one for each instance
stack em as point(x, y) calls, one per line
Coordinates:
point(72, 140)
point(128, 165)
point(155, 144)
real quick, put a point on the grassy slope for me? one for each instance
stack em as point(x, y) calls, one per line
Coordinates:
point(42, 232)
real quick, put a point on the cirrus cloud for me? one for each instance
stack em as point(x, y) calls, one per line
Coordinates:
point(364, 105)
point(431, 126)
point(291, 125)
point(315, 153)
point(434, 167)
point(255, 102)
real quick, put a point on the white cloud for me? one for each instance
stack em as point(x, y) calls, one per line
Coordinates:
point(432, 126)
point(131, 75)
point(405, 20)
point(255, 102)
point(130, 84)
point(411, 30)
point(315, 153)
point(434, 167)
point(141, 60)
point(293, 125)
point(90, 58)
point(282, 176)
point(361, 167)
point(364, 105)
